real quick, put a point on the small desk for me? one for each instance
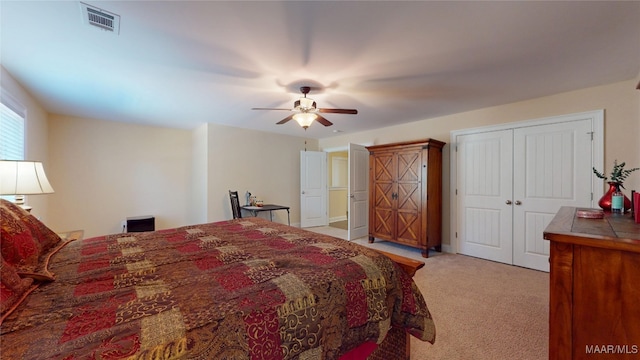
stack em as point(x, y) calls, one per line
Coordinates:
point(267, 207)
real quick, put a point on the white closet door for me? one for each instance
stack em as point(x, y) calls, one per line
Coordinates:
point(485, 175)
point(552, 166)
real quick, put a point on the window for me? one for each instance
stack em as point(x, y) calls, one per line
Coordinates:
point(11, 134)
point(12, 116)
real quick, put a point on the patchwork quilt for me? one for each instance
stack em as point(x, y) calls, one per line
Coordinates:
point(239, 289)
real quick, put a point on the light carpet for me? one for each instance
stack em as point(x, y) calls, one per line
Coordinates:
point(482, 309)
point(340, 224)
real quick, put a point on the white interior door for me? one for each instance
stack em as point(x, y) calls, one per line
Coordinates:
point(485, 171)
point(552, 169)
point(358, 224)
point(313, 189)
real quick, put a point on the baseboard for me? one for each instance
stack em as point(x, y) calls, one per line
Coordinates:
point(447, 248)
point(338, 218)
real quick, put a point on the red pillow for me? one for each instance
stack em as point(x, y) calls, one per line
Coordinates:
point(45, 237)
point(12, 287)
point(17, 244)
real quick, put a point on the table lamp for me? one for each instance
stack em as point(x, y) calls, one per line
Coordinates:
point(18, 177)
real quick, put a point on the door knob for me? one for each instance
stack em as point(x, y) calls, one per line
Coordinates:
point(303, 192)
point(351, 196)
point(508, 202)
point(518, 202)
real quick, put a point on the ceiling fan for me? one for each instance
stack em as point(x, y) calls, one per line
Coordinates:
point(306, 111)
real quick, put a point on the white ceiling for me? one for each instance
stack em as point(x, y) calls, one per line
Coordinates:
point(181, 63)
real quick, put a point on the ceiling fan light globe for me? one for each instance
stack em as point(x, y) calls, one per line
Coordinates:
point(306, 103)
point(304, 119)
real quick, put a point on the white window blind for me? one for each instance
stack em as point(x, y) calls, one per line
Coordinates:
point(11, 133)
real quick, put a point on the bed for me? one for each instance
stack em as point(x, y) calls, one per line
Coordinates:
point(239, 289)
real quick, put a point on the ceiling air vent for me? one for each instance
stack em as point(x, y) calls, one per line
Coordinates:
point(103, 19)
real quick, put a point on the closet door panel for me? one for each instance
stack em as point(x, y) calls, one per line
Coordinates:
point(552, 169)
point(485, 180)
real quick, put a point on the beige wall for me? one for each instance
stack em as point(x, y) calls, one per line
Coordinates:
point(199, 190)
point(106, 171)
point(620, 101)
point(36, 137)
point(266, 164)
point(182, 177)
point(338, 204)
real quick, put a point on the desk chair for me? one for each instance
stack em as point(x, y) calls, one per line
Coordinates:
point(235, 204)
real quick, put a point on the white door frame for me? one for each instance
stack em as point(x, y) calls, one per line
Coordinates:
point(597, 121)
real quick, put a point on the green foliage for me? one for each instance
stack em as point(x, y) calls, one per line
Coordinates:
point(618, 173)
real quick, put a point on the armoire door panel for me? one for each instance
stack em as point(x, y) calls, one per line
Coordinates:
point(383, 195)
point(408, 166)
point(408, 227)
point(383, 223)
point(383, 168)
point(409, 197)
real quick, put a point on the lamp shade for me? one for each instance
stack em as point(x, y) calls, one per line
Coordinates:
point(23, 178)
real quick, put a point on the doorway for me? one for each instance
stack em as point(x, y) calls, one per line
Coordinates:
point(348, 189)
point(337, 178)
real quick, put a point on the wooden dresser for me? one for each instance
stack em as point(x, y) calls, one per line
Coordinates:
point(594, 305)
point(405, 193)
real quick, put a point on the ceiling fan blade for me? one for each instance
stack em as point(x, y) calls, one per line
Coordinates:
point(270, 109)
point(323, 121)
point(338, 111)
point(285, 120)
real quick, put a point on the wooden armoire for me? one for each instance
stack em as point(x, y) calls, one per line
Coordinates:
point(405, 193)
